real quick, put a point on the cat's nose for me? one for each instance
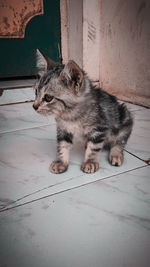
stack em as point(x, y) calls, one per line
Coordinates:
point(35, 105)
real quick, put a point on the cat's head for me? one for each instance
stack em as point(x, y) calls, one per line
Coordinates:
point(59, 88)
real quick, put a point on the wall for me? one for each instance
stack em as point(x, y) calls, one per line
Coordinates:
point(111, 41)
point(125, 49)
point(80, 34)
point(72, 30)
point(91, 38)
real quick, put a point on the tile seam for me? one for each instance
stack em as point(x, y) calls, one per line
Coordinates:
point(68, 189)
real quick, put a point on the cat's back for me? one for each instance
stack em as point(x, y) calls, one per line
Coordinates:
point(103, 97)
point(111, 111)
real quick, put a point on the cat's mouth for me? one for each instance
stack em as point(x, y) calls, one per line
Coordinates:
point(44, 112)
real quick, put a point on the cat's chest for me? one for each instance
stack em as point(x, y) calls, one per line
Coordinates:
point(74, 127)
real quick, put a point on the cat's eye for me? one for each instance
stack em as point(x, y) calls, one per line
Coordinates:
point(48, 98)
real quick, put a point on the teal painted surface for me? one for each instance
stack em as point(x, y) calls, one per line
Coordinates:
point(18, 56)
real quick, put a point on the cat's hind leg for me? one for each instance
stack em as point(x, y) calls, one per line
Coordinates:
point(117, 143)
point(119, 136)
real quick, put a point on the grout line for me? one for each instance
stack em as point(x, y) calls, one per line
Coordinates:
point(30, 86)
point(132, 102)
point(30, 128)
point(17, 103)
point(146, 161)
point(134, 110)
point(40, 190)
point(68, 189)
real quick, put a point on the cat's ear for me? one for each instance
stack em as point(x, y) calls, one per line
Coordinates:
point(72, 76)
point(44, 63)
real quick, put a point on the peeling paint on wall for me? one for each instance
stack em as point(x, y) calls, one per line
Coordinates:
point(14, 16)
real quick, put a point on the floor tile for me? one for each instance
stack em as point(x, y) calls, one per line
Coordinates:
point(21, 116)
point(106, 223)
point(133, 107)
point(7, 84)
point(24, 166)
point(17, 95)
point(139, 142)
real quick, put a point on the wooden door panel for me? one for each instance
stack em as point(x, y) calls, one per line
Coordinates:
point(18, 55)
point(14, 16)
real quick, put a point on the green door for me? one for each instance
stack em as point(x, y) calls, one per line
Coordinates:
point(18, 56)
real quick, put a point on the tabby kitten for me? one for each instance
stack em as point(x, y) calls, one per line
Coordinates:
point(82, 110)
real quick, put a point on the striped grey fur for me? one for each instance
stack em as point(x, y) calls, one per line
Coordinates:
point(84, 111)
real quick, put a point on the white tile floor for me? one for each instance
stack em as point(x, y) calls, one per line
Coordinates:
point(72, 219)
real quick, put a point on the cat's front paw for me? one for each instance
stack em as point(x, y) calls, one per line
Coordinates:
point(90, 167)
point(58, 166)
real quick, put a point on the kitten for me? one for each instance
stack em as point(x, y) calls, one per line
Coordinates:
point(81, 109)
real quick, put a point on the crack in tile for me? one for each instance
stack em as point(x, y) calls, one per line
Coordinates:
point(7, 208)
point(29, 128)
point(147, 161)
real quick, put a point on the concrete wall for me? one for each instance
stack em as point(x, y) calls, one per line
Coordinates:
point(91, 38)
point(110, 39)
point(125, 49)
point(80, 34)
point(72, 30)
